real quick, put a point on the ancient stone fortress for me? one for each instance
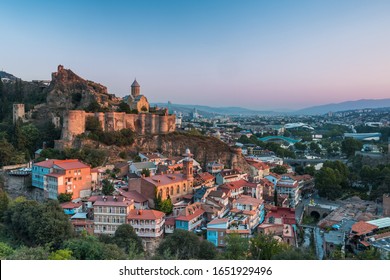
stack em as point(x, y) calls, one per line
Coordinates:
point(147, 121)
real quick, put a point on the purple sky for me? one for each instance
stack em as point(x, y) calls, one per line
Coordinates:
point(255, 54)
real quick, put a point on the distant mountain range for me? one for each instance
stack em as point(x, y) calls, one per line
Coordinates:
point(345, 106)
point(315, 110)
point(207, 110)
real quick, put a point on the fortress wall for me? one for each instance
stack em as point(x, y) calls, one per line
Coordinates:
point(74, 123)
point(100, 116)
point(163, 124)
point(171, 123)
point(130, 120)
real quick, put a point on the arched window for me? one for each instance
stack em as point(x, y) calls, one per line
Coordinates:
point(171, 190)
point(178, 189)
point(167, 192)
point(160, 192)
point(184, 187)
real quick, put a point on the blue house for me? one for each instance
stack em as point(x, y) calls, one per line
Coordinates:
point(39, 170)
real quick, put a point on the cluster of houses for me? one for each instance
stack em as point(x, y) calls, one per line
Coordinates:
point(213, 203)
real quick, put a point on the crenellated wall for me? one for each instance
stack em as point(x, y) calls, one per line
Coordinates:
point(74, 123)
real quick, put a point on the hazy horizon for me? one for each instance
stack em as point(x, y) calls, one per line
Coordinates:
point(262, 55)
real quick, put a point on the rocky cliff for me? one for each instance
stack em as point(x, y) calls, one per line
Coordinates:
point(69, 91)
point(205, 149)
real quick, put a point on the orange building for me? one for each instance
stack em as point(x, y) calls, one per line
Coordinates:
point(66, 176)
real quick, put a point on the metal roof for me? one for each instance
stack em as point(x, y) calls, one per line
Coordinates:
point(381, 223)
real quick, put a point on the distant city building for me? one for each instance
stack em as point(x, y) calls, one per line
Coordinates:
point(364, 136)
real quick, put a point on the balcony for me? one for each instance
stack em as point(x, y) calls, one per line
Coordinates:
point(154, 226)
point(151, 234)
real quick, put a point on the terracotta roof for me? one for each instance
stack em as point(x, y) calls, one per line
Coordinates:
point(286, 185)
point(238, 184)
point(248, 200)
point(216, 194)
point(190, 212)
point(170, 221)
point(145, 214)
point(134, 195)
point(266, 182)
point(258, 164)
point(286, 214)
point(46, 163)
point(361, 228)
point(205, 176)
point(71, 205)
point(70, 164)
point(218, 221)
point(112, 201)
point(165, 179)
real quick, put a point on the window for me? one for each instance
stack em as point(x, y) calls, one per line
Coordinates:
point(178, 189)
point(184, 187)
point(171, 190)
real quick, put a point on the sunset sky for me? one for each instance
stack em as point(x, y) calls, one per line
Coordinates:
point(255, 54)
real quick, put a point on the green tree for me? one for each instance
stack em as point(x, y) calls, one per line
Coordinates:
point(85, 248)
point(126, 238)
point(182, 244)
point(279, 169)
point(64, 197)
point(93, 125)
point(124, 107)
point(108, 187)
point(207, 251)
point(63, 254)
point(5, 251)
point(369, 254)
point(291, 253)
point(265, 247)
point(328, 182)
point(350, 145)
point(300, 146)
point(113, 252)
point(166, 206)
point(310, 170)
point(145, 172)
point(4, 202)
point(236, 247)
point(30, 253)
point(32, 223)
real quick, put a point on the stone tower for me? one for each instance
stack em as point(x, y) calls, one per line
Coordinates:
point(18, 112)
point(188, 165)
point(386, 205)
point(135, 88)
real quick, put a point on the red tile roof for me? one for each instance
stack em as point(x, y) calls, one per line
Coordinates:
point(170, 221)
point(112, 201)
point(218, 221)
point(71, 164)
point(197, 213)
point(145, 214)
point(238, 184)
point(286, 214)
point(47, 163)
point(205, 176)
point(133, 194)
point(165, 179)
point(361, 228)
point(71, 205)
